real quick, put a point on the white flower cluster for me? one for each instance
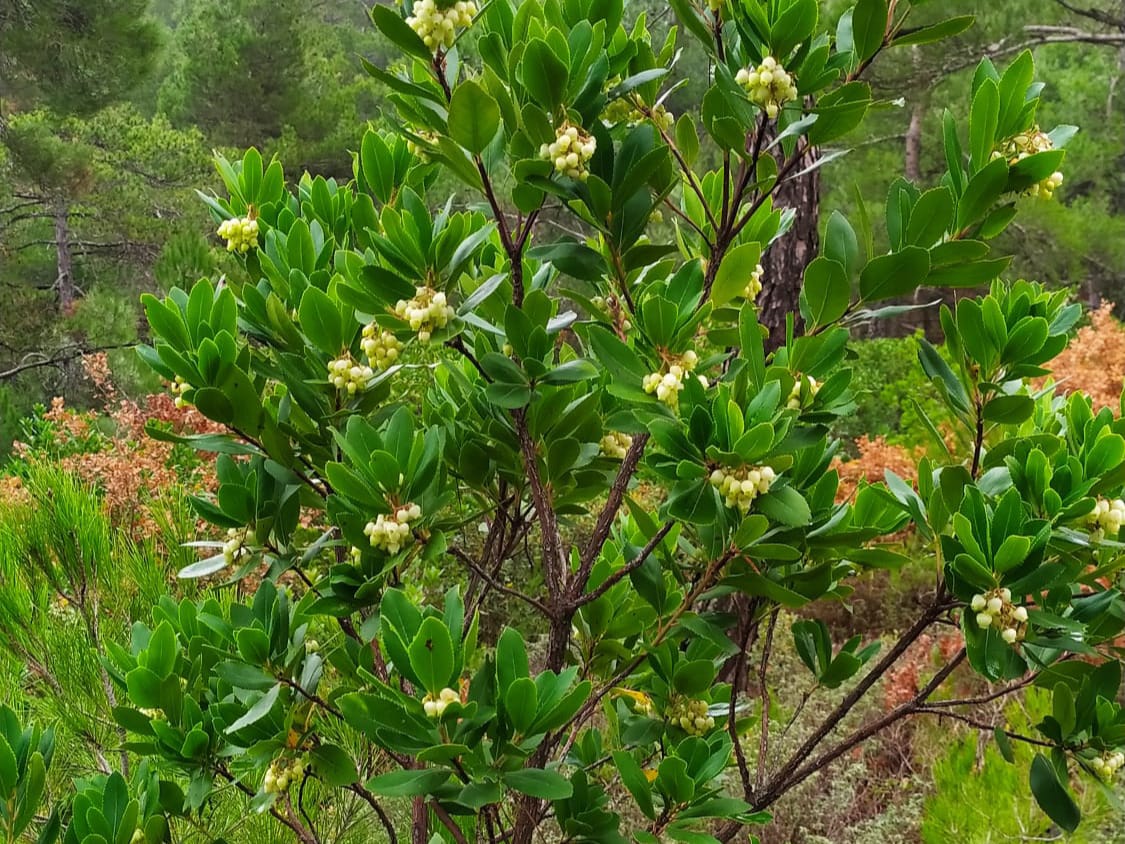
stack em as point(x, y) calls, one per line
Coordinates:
point(809, 385)
point(235, 546)
point(1106, 518)
point(391, 533)
point(178, 388)
point(439, 27)
point(739, 487)
point(280, 774)
point(426, 312)
point(615, 444)
point(1106, 766)
point(995, 609)
point(435, 706)
point(1028, 143)
point(241, 235)
point(571, 152)
point(691, 716)
point(381, 347)
point(347, 375)
point(667, 383)
point(768, 85)
point(754, 286)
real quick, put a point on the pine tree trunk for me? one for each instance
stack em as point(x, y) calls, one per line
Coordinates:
point(785, 261)
point(64, 281)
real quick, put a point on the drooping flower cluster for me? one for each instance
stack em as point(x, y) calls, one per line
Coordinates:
point(435, 706)
point(235, 548)
point(1106, 518)
point(803, 392)
point(691, 716)
point(754, 286)
point(1106, 766)
point(281, 774)
point(1026, 144)
point(439, 27)
point(995, 609)
point(381, 347)
point(668, 382)
point(392, 533)
point(241, 234)
point(426, 312)
point(347, 375)
point(178, 388)
point(571, 151)
point(768, 85)
point(615, 445)
point(420, 151)
point(739, 487)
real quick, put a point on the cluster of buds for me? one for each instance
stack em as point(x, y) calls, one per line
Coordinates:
point(280, 774)
point(667, 383)
point(348, 376)
point(739, 487)
point(1106, 518)
point(995, 609)
point(629, 111)
point(391, 533)
point(691, 716)
point(426, 312)
point(138, 836)
point(804, 391)
point(235, 546)
point(381, 347)
point(612, 305)
point(642, 703)
point(241, 234)
point(615, 445)
point(153, 714)
point(754, 286)
point(62, 608)
point(421, 151)
point(178, 388)
point(1025, 144)
point(768, 85)
point(571, 152)
point(439, 27)
point(1106, 766)
point(435, 706)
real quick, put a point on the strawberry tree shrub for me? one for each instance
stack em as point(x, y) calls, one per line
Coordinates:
point(634, 705)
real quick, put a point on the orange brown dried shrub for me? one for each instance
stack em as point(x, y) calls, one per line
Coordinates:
point(113, 453)
point(1094, 362)
point(921, 660)
point(874, 457)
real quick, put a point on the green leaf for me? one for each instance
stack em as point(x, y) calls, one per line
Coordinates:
point(546, 785)
point(893, 275)
point(1009, 410)
point(1052, 796)
point(431, 655)
point(982, 192)
point(734, 272)
point(388, 22)
point(408, 783)
point(983, 117)
point(544, 75)
point(320, 320)
point(333, 765)
point(694, 677)
point(826, 293)
point(258, 711)
point(934, 32)
point(522, 701)
point(474, 116)
point(1005, 746)
point(869, 27)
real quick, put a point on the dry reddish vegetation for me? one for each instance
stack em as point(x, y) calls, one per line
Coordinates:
point(116, 455)
point(875, 456)
point(1094, 362)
